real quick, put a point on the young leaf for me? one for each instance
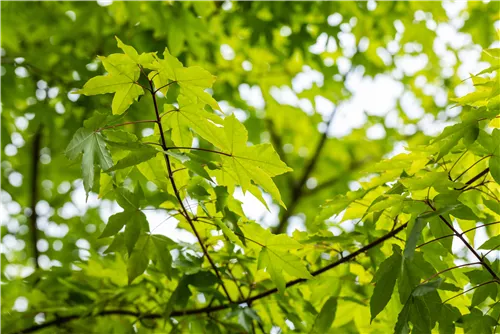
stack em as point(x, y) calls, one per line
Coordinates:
point(121, 80)
point(275, 257)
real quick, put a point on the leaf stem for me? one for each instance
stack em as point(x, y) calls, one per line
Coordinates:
point(448, 269)
point(37, 138)
point(126, 123)
point(467, 244)
point(197, 149)
point(158, 89)
point(473, 288)
point(452, 235)
point(209, 309)
point(475, 163)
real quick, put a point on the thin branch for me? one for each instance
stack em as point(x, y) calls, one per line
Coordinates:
point(448, 269)
point(209, 309)
point(469, 168)
point(473, 288)
point(452, 235)
point(158, 89)
point(455, 163)
point(475, 178)
point(178, 196)
point(37, 139)
point(491, 250)
point(167, 112)
point(467, 244)
point(297, 189)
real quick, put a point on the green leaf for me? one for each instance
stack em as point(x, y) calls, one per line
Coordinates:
point(483, 292)
point(403, 319)
point(492, 243)
point(115, 224)
point(134, 158)
point(477, 323)
point(129, 200)
point(326, 316)
point(447, 319)
point(228, 233)
point(122, 80)
point(135, 224)
point(94, 153)
point(494, 165)
point(423, 289)
point(162, 256)
point(190, 115)
point(243, 164)
point(192, 80)
point(414, 237)
point(276, 258)
point(439, 229)
point(420, 316)
point(139, 259)
point(385, 277)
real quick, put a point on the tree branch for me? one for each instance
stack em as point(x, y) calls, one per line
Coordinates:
point(37, 139)
point(467, 244)
point(297, 189)
point(209, 309)
point(185, 213)
point(475, 178)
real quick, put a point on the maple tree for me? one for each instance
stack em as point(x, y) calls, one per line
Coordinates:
point(387, 242)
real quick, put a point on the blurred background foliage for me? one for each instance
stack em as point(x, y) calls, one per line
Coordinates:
point(385, 70)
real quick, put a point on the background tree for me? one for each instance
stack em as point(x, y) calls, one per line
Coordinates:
point(341, 119)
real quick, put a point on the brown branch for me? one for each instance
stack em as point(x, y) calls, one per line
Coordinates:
point(467, 244)
point(299, 185)
point(37, 139)
point(475, 178)
point(209, 309)
point(178, 196)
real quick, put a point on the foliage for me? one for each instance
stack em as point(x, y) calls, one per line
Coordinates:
point(387, 240)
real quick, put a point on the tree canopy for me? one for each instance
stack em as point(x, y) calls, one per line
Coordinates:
point(248, 167)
